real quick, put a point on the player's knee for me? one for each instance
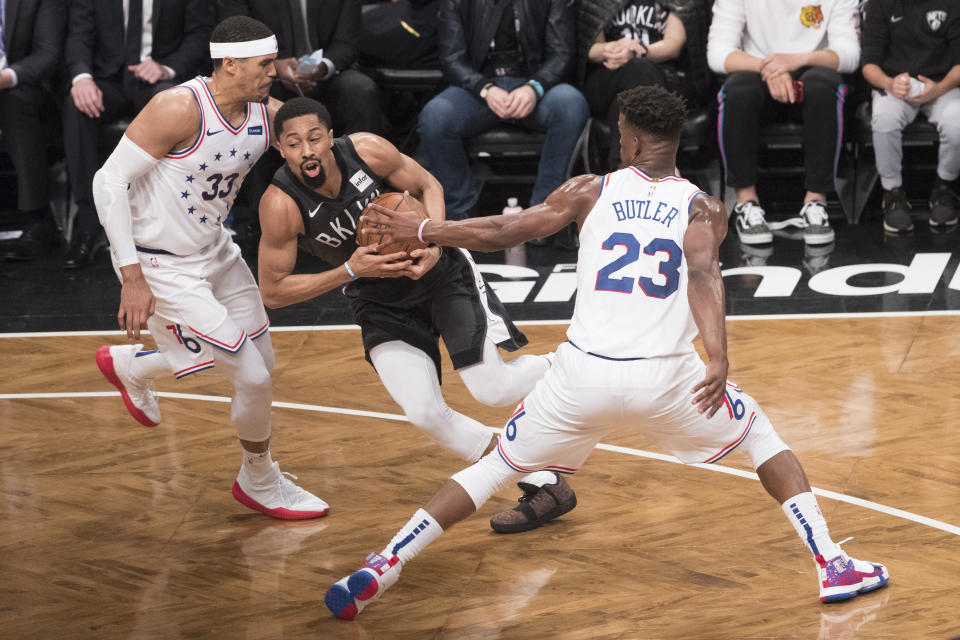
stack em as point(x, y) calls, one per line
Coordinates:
point(253, 378)
point(763, 442)
point(431, 417)
point(484, 478)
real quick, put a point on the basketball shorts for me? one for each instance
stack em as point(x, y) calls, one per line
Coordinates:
point(204, 301)
point(582, 397)
point(454, 303)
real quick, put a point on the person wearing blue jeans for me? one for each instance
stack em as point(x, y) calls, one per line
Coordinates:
point(502, 64)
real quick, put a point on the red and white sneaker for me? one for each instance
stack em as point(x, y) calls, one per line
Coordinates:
point(348, 596)
point(843, 577)
point(277, 496)
point(138, 396)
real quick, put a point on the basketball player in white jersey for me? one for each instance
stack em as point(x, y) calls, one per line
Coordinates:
point(648, 280)
point(162, 197)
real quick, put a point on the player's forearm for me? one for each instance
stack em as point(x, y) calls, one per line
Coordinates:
point(294, 288)
point(705, 292)
point(491, 233)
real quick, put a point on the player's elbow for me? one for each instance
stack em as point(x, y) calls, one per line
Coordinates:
point(269, 296)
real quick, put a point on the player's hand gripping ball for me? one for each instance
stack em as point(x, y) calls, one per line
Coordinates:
point(396, 202)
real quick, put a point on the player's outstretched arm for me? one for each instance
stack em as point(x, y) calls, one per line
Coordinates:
point(701, 243)
point(281, 225)
point(571, 202)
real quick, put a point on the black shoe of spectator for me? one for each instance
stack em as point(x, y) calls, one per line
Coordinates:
point(82, 251)
point(896, 211)
point(38, 239)
point(943, 209)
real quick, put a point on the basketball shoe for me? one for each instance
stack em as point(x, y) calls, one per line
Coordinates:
point(349, 595)
point(275, 495)
point(538, 505)
point(138, 395)
point(843, 577)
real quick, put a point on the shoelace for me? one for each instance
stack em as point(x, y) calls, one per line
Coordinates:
point(814, 213)
point(752, 213)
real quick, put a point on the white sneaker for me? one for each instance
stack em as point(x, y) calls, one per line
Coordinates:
point(347, 597)
point(277, 496)
point(751, 223)
point(816, 223)
point(138, 396)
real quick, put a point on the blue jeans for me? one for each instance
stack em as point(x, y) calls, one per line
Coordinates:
point(455, 114)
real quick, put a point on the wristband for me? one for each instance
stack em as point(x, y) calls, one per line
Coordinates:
point(346, 265)
point(537, 87)
point(420, 230)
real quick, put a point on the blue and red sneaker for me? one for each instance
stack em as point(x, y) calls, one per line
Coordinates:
point(843, 577)
point(349, 595)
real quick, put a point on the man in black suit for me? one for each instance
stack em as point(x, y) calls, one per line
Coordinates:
point(119, 54)
point(303, 26)
point(31, 42)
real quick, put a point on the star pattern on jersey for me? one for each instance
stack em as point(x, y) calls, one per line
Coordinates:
point(189, 178)
point(203, 166)
point(218, 219)
point(246, 156)
point(233, 153)
point(203, 219)
point(185, 194)
point(218, 156)
point(190, 210)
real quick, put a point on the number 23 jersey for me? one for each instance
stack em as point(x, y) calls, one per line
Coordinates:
point(180, 205)
point(631, 271)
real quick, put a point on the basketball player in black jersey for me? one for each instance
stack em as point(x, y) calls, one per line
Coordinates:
point(401, 304)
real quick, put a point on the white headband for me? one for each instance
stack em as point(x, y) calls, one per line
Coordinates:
point(248, 49)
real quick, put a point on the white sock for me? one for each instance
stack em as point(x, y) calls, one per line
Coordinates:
point(540, 478)
point(420, 531)
point(802, 510)
point(147, 365)
point(258, 465)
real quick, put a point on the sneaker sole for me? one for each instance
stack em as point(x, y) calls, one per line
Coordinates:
point(278, 512)
point(819, 238)
point(340, 602)
point(105, 364)
point(363, 585)
point(887, 227)
point(756, 238)
point(945, 223)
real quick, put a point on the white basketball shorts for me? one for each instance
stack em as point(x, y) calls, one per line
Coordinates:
point(205, 301)
point(582, 397)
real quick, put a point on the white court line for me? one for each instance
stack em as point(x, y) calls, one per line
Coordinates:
point(640, 453)
point(528, 323)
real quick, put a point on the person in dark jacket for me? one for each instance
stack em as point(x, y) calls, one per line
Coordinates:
point(118, 56)
point(637, 45)
point(31, 46)
point(911, 57)
point(505, 61)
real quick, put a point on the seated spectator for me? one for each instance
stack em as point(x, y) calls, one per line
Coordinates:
point(114, 69)
point(504, 61)
point(31, 47)
point(633, 44)
point(352, 97)
point(783, 60)
point(911, 57)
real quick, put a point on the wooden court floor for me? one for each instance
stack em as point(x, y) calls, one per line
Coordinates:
point(112, 530)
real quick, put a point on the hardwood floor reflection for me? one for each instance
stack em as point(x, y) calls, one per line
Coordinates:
point(112, 530)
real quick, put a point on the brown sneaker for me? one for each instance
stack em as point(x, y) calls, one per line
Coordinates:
point(538, 505)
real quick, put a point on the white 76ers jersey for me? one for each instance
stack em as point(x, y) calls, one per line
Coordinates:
point(631, 272)
point(180, 204)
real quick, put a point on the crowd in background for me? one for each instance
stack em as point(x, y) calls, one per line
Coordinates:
point(68, 69)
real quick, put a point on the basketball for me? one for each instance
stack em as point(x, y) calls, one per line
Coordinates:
point(391, 200)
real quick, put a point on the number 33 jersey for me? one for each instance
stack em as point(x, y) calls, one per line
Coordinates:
point(631, 273)
point(180, 205)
